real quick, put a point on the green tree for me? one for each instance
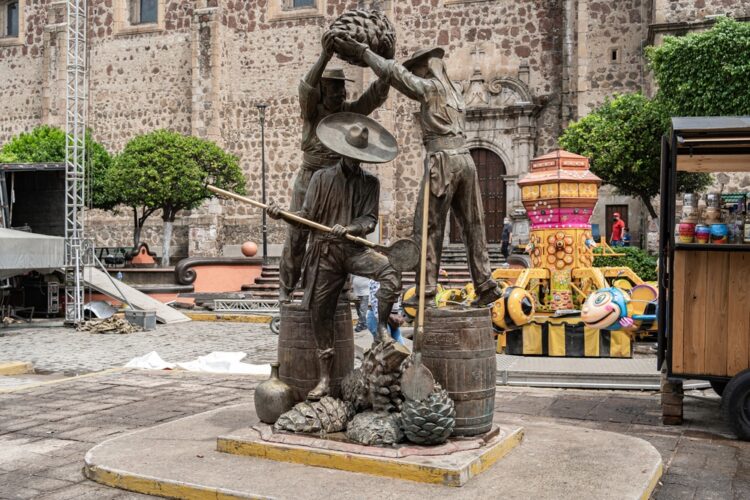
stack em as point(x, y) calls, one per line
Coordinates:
point(704, 74)
point(167, 171)
point(46, 144)
point(622, 138)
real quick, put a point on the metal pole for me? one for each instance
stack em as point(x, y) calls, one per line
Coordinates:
point(262, 115)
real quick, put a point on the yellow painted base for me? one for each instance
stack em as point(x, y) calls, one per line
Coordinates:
point(232, 318)
point(158, 487)
point(448, 470)
point(16, 368)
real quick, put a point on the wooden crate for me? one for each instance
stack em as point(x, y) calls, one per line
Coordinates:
point(711, 312)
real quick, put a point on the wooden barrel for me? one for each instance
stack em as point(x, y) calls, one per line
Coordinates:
point(297, 350)
point(459, 349)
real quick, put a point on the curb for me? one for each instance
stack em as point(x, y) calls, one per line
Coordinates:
point(16, 368)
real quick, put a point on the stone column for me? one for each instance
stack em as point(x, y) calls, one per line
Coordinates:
point(206, 73)
point(53, 83)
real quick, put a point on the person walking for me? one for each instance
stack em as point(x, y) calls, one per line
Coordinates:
point(617, 229)
point(507, 238)
point(395, 320)
point(361, 290)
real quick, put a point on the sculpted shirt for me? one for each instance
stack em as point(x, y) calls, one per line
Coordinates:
point(440, 115)
point(313, 111)
point(339, 196)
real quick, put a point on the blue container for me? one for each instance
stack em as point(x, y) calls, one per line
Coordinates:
point(719, 234)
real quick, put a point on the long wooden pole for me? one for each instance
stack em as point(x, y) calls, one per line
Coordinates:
point(423, 263)
point(288, 215)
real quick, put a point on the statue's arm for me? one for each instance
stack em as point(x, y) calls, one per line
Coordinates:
point(374, 97)
point(365, 223)
point(309, 95)
point(397, 76)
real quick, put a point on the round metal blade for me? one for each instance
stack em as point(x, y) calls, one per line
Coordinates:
point(403, 254)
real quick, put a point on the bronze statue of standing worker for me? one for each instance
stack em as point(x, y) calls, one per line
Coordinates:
point(322, 92)
point(450, 170)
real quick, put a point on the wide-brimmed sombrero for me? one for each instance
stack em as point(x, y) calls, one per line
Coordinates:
point(423, 54)
point(357, 136)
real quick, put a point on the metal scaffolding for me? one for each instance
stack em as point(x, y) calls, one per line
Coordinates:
point(75, 156)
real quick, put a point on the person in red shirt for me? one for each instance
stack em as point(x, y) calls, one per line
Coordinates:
point(617, 229)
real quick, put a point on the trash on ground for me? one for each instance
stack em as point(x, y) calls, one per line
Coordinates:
point(215, 362)
point(113, 324)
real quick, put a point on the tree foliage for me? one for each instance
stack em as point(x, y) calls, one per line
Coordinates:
point(643, 264)
point(46, 144)
point(705, 74)
point(167, 171)
point(622, 138)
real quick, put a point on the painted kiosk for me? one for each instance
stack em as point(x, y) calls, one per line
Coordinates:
point(704, 288)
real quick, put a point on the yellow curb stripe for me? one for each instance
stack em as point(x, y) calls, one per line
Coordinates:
point(60, 381)
point(653, 482)
point(233, 318)
point(16, 368)
point(162, 488)
point(398, 469)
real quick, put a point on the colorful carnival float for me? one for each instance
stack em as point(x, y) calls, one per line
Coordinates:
point(562, 305)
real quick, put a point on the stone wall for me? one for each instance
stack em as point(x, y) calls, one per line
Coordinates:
point(527, 68)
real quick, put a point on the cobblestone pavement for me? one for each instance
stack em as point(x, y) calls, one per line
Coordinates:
point(60, 349)
point(45, 431)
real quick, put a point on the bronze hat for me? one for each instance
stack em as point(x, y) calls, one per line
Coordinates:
point(357, 136)
point(422, 54)
point(335, 74)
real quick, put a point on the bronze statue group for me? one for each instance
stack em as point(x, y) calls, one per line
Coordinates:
point(331, 188)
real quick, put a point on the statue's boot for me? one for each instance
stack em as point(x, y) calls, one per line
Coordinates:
point(487, 297)
point(384, 312)
point(285, 295)
point(325, 365)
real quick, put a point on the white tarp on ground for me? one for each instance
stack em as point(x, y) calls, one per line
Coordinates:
point(215, 362)
point(21, 252)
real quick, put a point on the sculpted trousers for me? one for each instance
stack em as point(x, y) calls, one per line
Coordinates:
point(290, 265)
point(462, 195)
point(326, 271)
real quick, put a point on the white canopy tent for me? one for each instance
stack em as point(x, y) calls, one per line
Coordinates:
point(21, 252)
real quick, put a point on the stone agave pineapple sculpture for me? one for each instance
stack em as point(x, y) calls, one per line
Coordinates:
point(370, 27)
point(431, 420)
point(320, 417)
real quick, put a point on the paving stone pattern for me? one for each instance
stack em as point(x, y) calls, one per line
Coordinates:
point(45, 431)
point(60, 349)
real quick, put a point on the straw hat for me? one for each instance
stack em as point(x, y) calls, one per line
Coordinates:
point(423, 54)
point(357, 136)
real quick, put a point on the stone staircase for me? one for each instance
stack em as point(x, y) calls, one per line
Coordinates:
point(453, 262)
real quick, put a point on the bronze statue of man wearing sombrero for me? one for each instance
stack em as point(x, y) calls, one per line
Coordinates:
point(322, 92)
point(346, 198)
point(452, 175)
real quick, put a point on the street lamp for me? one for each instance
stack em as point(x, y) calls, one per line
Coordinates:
point(262, 116)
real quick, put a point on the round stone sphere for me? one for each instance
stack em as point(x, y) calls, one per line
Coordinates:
point(249, 249)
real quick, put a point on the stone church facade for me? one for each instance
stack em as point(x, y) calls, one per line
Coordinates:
point(201, 66)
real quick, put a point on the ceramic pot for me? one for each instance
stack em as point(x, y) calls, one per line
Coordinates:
point(702, 233)
point(719, 234)
point(273, 397)
point(686, 232)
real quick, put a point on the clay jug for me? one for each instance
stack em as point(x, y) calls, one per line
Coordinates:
point(273, 397)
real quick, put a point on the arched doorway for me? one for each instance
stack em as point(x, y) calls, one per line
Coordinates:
point(491, 169)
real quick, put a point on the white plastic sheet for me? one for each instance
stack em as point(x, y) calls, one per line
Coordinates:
point(215, 362)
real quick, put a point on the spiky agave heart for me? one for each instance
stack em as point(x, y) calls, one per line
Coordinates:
point(370, 27)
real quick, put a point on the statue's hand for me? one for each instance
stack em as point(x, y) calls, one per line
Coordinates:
point(348, 45)
point(328, 42)
point(274, 211)
point(339, 231)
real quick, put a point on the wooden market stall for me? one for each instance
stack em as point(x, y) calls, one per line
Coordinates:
point(704, 287)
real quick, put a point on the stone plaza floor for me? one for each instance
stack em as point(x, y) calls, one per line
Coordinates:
point(46, 430)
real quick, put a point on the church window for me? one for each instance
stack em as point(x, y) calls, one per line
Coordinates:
point(302, 3)
point(144, 11)
point(9, 16)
